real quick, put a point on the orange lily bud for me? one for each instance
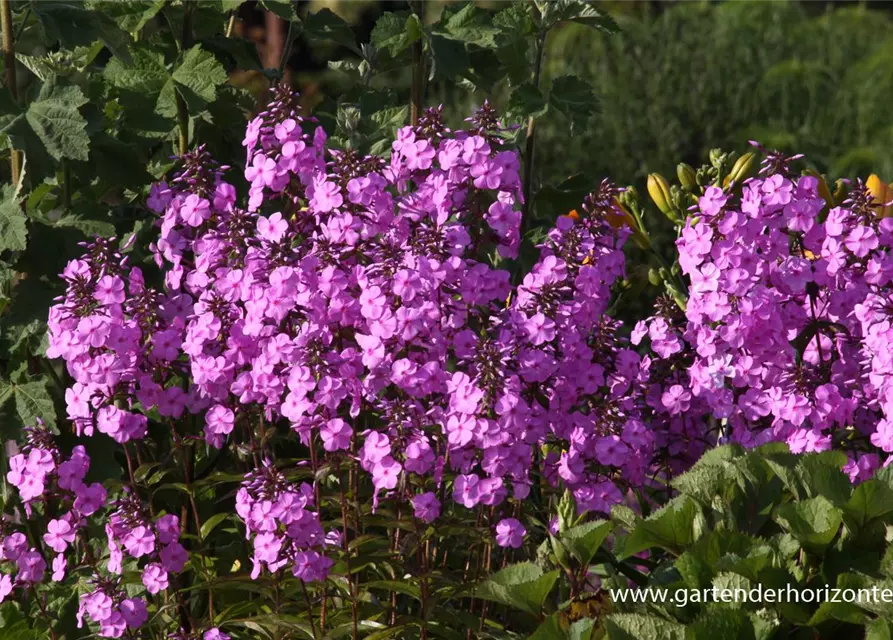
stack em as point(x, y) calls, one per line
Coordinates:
point(882, 195)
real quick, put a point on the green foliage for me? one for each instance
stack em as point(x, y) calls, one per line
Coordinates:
point(743, 522)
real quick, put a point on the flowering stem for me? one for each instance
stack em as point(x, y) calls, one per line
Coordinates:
point(9, 62)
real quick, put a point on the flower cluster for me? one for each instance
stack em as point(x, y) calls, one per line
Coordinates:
point(285, 532)
point(786, 333)
point(41, 474)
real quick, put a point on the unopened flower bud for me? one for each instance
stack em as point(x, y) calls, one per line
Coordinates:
point(741, 169)
point(687, 177)
point(881, 195)
point(659, 190)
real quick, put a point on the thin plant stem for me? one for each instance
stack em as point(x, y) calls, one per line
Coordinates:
point(416, 100)
point(9, 61)
point(182, 108)
point(309, 609)
point(346, 542)
point(286, 48)
point(530, 146)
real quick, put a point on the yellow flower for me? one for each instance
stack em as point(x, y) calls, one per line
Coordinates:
point(882, 195)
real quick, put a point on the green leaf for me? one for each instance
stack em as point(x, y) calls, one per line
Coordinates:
point(326, 25)
point(723, 622)
point(553, 629)
point(209, 525)
point(285, 9)
point(13, 230)
point(406, 588)
point(449, 59)
point(75, 25)
point(525, 102)
point(515, 25)
point(822, 475)
point(198, 77)
point(580, 12)
point(118, 163)
point(574, 98)
point(523, 586)
point(395, 33)
point(814, 521)
point(469, 23)
point(146, 74)
point(32, 401)
point(132, 15)
point(871, 499)
point(634, 626)
point(878, 629)
point(584, 540)
point(671, 528)
point(55, 118)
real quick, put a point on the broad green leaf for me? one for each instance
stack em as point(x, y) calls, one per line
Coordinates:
point(878, 629)
point(198, 77)
point(554, 628)
point(7, 391)
point(387, 121)
point(698, 563)
point(574, 98)
point(118, 163)
point(523, 586)
point(550, 629)
point(13, 230)
point(584, 540)
point(131, 15)
point(634, 626)
point(814, 521)
point(449, 58)
point(146, 74)
point(723, 622)
point(325, 25)
point(671, 528)
point(526, 101)
point(822, 475)
point(73, 24)
point(395, 33)
point(33, 401)
point(469, 23)
point(871, 499)
point(516, 26)
point(285, 9)
point(555, 11)
point(55, 118)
